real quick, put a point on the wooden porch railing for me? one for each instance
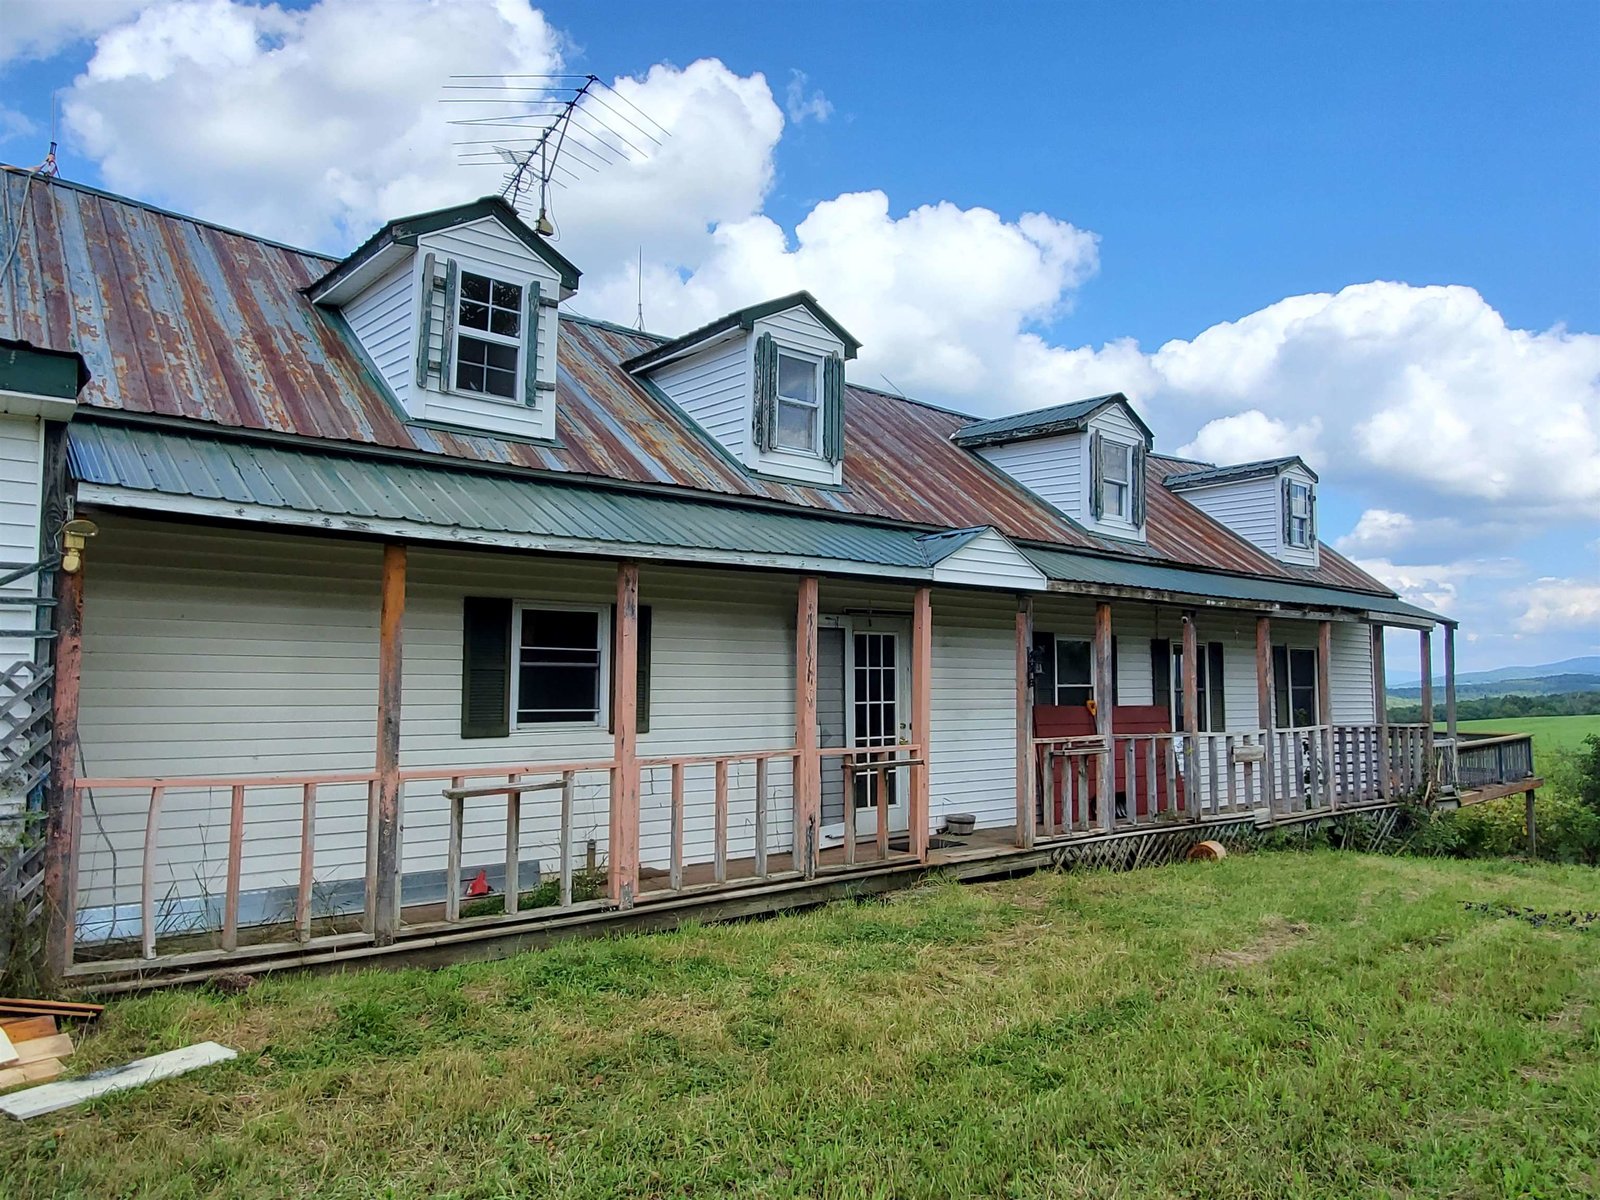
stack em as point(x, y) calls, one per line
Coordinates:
point(1483, 762)
point(878, 765)
point(508, 782)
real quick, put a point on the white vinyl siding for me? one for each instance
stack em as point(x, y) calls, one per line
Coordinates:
point(713, 388)
point(384, 320)
point(21, 492)
point(973, 763)
point(218, 652)
point(1053, 468)
point(989, 560)
point(1248, 507)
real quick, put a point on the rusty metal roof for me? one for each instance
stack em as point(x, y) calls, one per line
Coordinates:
point(180, 318)
point(1193, 475)
point(1044, 422)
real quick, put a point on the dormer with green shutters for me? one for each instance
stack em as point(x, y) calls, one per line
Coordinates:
point(457, 310)
point(1271, 502)
point(1086, 458)
point(766, 383)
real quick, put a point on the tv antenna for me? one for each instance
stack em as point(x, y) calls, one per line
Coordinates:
point(562, 128)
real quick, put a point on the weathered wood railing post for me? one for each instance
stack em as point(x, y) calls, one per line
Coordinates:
point(1026, 771)
point(1191, 716)
point(1325, 709)
point(807, 783)
point(1104, 691)
point(623, 861)
point(1266, 707)
point(921, 720)
point(62, 799)
point(1380, 713)
point(391, 621)
point(1425, 638)
point(1450, 697)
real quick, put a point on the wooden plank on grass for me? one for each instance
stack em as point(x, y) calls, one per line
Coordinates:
point(8, 1052)
point(57, 1045)
point(35, 1072)
point(55, 1008)
point(52, 1097)
point(25, 1029)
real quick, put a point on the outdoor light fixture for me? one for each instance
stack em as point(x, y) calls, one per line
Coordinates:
point(73, 535)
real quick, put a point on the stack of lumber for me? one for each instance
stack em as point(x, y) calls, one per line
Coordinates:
point(31, 1046)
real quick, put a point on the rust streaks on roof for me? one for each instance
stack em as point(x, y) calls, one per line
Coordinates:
point(180, 318)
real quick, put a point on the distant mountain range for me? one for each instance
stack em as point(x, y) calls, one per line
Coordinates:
point(1569, 675)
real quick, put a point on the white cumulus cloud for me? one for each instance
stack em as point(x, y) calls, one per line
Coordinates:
point(1560, 604)
point(39, 28)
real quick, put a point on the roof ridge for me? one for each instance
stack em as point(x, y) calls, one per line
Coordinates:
point(145, 205)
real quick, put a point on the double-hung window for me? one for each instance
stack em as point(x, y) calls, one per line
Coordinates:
point(488, 346)
point(1208, 688)
point(799, 424)
point(560, 665)
point(1294, 672)
point(1299, 514)
point(1116, 480)
point(1074, 671)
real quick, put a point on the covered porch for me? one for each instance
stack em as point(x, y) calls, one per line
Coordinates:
point(768, 736)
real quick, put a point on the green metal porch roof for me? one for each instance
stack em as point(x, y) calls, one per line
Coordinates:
point(369, 488)
point(354, 493)
point(1066, 566)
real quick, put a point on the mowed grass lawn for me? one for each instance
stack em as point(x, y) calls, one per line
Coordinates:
point(1276, 1025)
point(1549, 733)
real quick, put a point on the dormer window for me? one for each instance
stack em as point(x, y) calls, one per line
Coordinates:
point(1116, 486)
point(799, 403)
point(488, 336)
point(1116, 475)
point(1298, 522)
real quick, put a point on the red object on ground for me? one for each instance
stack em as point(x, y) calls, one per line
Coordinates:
point(480, 884)
point(1064, 721)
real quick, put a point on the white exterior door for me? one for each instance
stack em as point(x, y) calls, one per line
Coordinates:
point(876, 690)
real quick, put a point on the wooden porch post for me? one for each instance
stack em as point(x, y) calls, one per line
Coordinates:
point(1191, 716)
point(1104, 690)
point(807, 763)
point(921, 718)
point(1266, 708)
point(391, 621)
point(1025, 769)
point(1450, 680)
point(623, 860)
point(1426, 645)
point(63, 819)
point(1380, 713)
point(1325, 706)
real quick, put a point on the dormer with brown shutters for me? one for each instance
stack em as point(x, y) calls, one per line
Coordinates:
point(766, 383)
point(1085, 458)
point(457, 311)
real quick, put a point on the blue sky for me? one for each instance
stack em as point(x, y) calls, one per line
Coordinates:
point(1229, 155)
point(1368, 232)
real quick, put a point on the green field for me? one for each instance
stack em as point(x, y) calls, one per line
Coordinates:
point(1275, 1025)
point(1549, 733)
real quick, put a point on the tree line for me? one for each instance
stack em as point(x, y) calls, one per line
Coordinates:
point(1562, 704)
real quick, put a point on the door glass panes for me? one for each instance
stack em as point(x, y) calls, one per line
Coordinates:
point(875, 698)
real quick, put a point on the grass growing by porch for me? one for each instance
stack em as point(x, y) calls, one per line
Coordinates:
point(1276, 1025)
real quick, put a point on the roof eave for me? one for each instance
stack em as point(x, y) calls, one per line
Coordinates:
point(745, 319)
point(405, 231)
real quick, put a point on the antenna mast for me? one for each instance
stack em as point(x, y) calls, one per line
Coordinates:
point(564, 127)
